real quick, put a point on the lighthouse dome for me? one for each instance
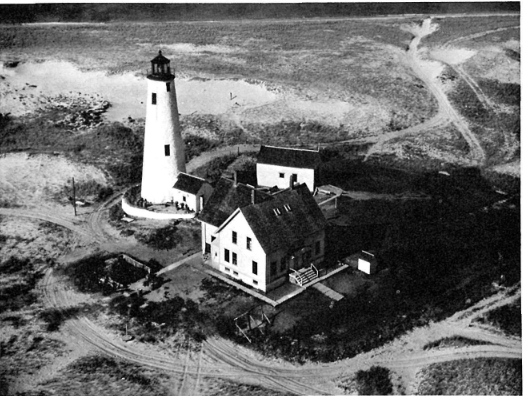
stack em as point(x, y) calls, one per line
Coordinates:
point(160, 68)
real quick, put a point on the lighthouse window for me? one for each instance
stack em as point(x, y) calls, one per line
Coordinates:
point(167, 150)
point(153, 99)
point(168, 86)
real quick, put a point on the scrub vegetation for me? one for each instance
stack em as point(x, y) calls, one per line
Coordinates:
point(473, 377)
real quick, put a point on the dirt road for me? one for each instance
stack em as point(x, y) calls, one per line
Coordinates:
point(223, 359)
point(446, 113)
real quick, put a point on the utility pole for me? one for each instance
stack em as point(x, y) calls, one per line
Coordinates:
point(74, 196)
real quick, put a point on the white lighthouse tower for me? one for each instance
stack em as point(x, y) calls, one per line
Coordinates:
point(164, 155)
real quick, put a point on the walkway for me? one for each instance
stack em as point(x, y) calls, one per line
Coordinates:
point(196, 256)
point(328, 292)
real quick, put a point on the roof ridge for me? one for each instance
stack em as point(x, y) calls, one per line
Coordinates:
point(292, 148)
point(190, 175)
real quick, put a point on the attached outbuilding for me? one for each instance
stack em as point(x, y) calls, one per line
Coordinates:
point(191, 191)
point(284, 167)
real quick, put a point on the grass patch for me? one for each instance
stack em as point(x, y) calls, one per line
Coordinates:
point(19, 292)
point(89, 190)
point(92, 274)
point(454, 342)
point(100, 375)
point(508, 318)
point(473, 377)
point(212, 171)
point(54, 317)
point(499, 133)
point(160, 320)
point(375, 381)
point(164, 238)
point(230, 388)
point(27, 352)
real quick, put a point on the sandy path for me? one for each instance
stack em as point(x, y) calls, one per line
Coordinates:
point(221, 358)
point(446, 112)
point(225, 359)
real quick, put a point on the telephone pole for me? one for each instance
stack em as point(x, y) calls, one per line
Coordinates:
point(74, 196)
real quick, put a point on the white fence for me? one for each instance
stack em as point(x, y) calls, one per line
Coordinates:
point(148, 214)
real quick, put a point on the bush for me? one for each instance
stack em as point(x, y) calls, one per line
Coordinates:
point(212, 171)
point(54, 317)
point(195, 145)
point(508, 318)
point(164, 238)
point(116, 212)
point(453, 342)
point(375, 381)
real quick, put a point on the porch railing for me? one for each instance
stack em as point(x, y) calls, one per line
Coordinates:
point(314, 269)
point(297, 277)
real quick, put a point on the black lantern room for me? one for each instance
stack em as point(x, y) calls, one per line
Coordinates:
point(160, 69)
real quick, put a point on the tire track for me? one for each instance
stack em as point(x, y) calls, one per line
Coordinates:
point(232, 362)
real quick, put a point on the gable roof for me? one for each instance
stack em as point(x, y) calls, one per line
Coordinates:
point(296, 158)
point(286, 220)
point(188, 183)
point(226, 198)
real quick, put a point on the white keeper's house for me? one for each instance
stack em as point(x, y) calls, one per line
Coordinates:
point(277, 165)
point(261, 239)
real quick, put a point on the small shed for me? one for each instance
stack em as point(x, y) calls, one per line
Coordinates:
point(191, 191)
point(367, 262)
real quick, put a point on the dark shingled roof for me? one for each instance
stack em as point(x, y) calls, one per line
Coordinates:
point(288, 229)
point(160, 59)
point(188, 183)
point(296, 158)
point(227, 198)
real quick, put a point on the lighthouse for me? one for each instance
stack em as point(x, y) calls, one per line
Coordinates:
point(164, 155)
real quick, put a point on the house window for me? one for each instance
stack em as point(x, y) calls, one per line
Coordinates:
point(153, 98)
point(255, 282)
point(234, 237)
point(184, 198)
point(207, 248)
point(273, 268)
point(226, 255)
point(281, 175)
point(248, 243)
point(227, 269)
point(317, 248)
point(235, 273)
point(282, 264)
point(167, 150)
point(255, 267)
point(234, 259)
point(213, 238)
point(168, 87)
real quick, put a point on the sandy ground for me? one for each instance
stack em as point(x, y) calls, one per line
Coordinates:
point(32, 180)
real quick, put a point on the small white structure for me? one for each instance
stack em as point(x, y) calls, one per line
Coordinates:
point(164, 155)
point(260, 239)
point(367, 262)
point(279, 166)
point(192, 191)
